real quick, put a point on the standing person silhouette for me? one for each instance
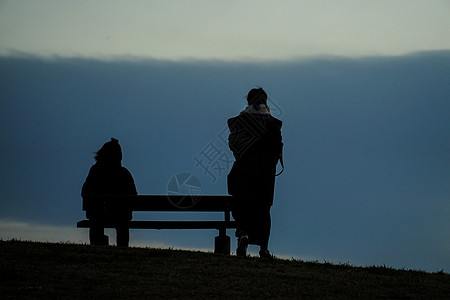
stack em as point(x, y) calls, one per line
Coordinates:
point(256, 142)
point(108, 177)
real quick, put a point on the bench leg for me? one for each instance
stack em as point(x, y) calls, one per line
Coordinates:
point(97, 236)
point(122, 236)
point(222, 243)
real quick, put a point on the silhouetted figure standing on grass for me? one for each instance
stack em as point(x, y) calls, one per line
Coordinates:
point(256, 142)
point(108, 177)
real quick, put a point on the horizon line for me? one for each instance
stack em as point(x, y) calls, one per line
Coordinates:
point(16, 54)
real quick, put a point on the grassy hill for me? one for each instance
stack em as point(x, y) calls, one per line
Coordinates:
point(31, 270)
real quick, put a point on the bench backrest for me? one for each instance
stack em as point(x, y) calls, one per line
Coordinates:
point(158, 203)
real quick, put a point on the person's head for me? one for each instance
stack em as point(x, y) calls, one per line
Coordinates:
point(256, 97)
point(110, 153)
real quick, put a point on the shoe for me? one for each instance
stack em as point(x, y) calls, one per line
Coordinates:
point(242, 246)
point(264, 253)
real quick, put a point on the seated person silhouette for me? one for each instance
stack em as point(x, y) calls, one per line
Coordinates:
point(108, 177)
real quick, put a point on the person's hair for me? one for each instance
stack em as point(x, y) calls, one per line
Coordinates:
point(111, 152)
point(256, 97)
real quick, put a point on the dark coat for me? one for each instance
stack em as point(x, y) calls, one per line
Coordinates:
point(109, 180)
point(256, 143)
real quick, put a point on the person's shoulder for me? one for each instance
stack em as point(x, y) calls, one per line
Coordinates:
point(234, 118)
point(243, 118)
point(232, 121)
point(94, 168)
point(125, 170)
point(276, 122)
point(246, 117)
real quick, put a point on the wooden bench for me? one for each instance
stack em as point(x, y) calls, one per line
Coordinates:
point(166, 203)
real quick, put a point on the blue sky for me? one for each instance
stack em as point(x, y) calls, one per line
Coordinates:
point(366, 125)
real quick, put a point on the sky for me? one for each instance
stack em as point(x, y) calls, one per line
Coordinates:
point(361, 86)
point(244, 30)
